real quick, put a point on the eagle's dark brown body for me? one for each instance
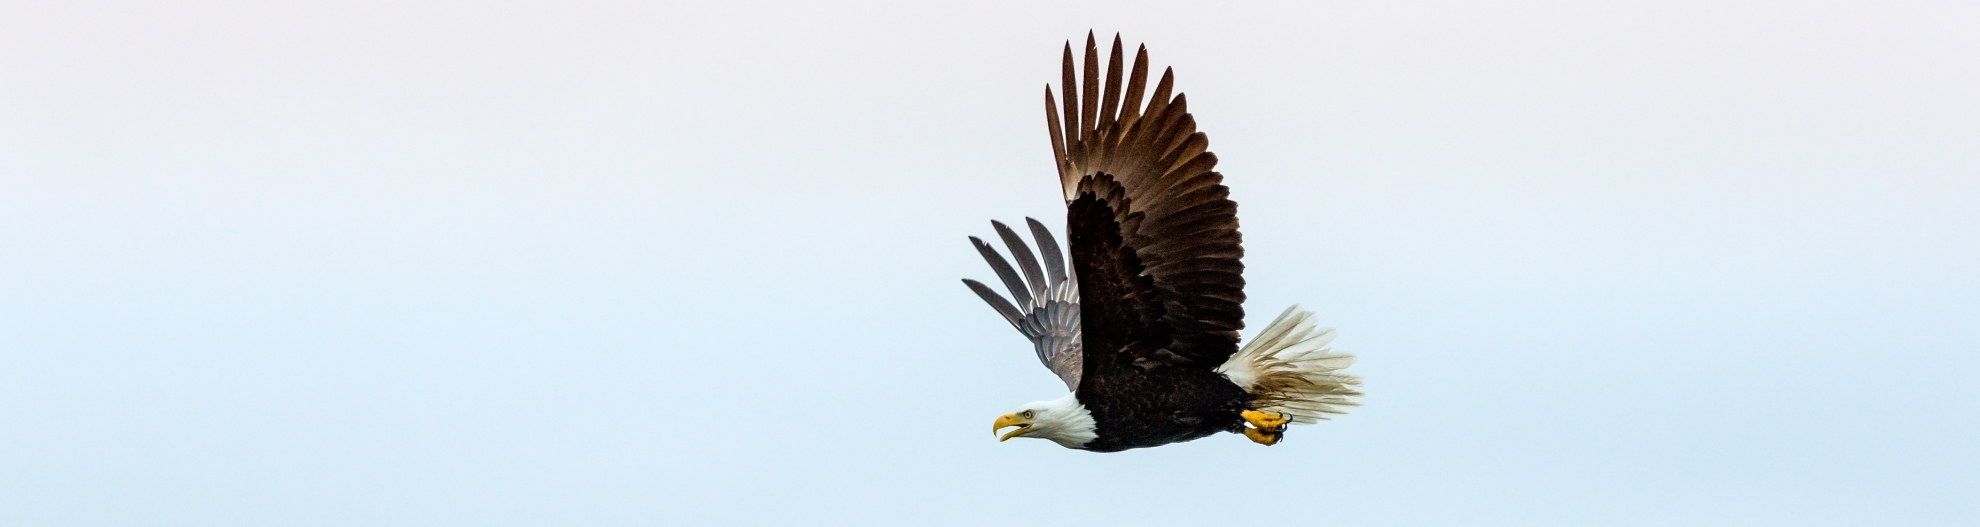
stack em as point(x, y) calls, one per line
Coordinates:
point(1162, 406)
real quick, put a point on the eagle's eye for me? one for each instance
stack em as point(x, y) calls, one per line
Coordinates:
point(1027, 414)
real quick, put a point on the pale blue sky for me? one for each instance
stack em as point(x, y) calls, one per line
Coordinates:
point(542, 263)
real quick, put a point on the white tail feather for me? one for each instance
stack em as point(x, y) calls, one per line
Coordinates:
point(1288, 367)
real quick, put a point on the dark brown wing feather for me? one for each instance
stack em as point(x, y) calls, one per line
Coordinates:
point(1153, 232)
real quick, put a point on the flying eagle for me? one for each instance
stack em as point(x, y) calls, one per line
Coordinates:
point(1144, 327)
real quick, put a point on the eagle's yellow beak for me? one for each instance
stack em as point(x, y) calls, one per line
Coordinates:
point(1010, 420)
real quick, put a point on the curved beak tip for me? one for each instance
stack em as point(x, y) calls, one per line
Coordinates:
point(1007, 420)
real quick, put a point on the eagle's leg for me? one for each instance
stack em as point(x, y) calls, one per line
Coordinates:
point(1266, 428)
point(1263, 437)
point(1263, 420)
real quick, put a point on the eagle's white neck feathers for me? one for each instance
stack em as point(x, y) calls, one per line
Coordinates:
point(1064, 421)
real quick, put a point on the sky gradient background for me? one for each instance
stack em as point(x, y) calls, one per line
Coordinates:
point(555, 263)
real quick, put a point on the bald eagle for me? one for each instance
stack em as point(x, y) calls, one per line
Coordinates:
point(1144, 327)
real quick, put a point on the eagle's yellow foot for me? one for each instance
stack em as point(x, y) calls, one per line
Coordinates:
point(1270, 422)
point(1263, 437)
point(1266, 428)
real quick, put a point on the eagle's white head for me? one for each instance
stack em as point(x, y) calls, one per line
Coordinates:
point(1064, 421)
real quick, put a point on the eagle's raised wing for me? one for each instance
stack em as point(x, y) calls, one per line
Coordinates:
point(1152, 230)
point(1050, 299)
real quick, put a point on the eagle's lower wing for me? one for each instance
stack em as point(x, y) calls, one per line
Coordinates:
point(1050, 299)
point(1152, 230)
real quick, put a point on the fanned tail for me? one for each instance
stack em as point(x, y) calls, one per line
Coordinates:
point(1290, 370)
